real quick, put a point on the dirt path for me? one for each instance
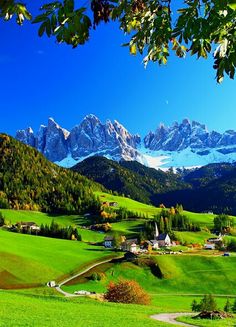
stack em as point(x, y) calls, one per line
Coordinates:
point(171, 318)
point(58, 288)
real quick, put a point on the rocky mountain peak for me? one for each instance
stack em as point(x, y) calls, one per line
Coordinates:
point(112, 140)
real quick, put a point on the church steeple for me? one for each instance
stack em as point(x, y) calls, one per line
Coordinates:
point(156, 232)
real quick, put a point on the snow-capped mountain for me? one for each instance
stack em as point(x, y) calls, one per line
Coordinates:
point(88, 138)
point(186, 144)
point(187, 135)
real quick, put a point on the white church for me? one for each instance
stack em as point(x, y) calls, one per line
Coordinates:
point(160, 240)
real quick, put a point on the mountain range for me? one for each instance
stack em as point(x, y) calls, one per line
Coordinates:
point(31, 182)
point(185, 144)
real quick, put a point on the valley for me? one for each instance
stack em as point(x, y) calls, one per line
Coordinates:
point(84, 230)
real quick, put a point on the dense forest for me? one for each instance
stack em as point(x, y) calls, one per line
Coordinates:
point(130, 178)
point(29, 181)
point(213, 188)
point(209, 188)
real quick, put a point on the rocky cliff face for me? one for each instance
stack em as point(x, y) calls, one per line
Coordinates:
point(181, 136)
point(88, 138)
point(182, 144)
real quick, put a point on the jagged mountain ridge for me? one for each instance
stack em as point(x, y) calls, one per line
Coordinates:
point(181, 136)
point(89, 137)
point(182, 144)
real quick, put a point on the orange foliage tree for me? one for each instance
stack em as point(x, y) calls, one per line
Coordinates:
point(127, 291)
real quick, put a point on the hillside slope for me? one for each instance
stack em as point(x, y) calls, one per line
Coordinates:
point(29, 181)
point(129, 177)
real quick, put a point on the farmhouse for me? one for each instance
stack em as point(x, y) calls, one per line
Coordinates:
point(129, 245)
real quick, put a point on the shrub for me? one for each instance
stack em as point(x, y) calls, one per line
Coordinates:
point(127, 291)
point(207, 303)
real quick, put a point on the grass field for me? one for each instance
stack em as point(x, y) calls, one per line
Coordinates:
point(29, 259)
point(23, 309)
point(186, 274)
point(14, 216)
point(40, 311)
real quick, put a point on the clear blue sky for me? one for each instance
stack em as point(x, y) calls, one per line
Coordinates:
point(41, 79)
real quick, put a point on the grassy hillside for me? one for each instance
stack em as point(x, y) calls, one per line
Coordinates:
point(14, 216)
point(27, 260)
point(130, 204)
point(27, 310)
point(203, 219)
point(186, 274)
point(22, 309)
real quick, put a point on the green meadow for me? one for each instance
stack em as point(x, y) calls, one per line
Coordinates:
point(178, 274)
point(14, 216)
point(23, 310)
point(27, 260)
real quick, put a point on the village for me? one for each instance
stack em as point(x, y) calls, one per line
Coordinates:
point(160, 243)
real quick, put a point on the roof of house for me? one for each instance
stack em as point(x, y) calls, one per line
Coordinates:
point(108, 238)
point(162, 237)
point(27, 223)
point(133, 240)
point(153, 241)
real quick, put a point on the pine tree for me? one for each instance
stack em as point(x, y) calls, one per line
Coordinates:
point(227, 307)
point(234, 306)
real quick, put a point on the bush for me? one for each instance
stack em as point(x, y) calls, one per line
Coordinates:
point(207, 303)
point(96, 276)
point(127, 291)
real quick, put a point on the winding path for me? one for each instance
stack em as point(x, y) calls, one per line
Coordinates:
point(171, 318)
point(58, 287)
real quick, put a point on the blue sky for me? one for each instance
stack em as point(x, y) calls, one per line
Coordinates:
point(41, 79)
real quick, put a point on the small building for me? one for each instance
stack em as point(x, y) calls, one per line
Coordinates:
point(129, 245)
point(52, 283)
point(215, 240)
point(164, 240)
point(154, 244)
point(108, 242)
point(113, 204)
point(209, 246)
point(28, 226)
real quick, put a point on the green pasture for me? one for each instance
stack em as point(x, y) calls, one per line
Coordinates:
point(27, 259)
point(178, 274)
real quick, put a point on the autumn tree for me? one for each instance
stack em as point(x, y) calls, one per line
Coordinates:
point(156, 28)
point(127, 291)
